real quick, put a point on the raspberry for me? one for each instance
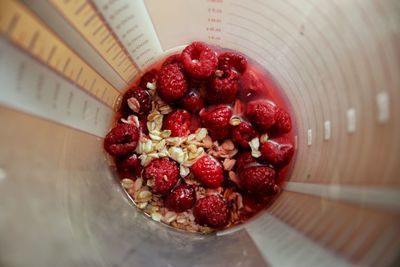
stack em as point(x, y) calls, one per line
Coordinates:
point(165, 174)
point(173, 59)
point(178, 122)
point(208, 171)
point(223, 89)
point(231, 60)
point(199, 60)
point(216, 120)
point(129, 167)
point(244, 160)
point(277, 151)
point(122, 139)
point(181, 198)
point(192, 102)
point(143, 99)
point(149, 77)
point(258, 179)
point(283, 122)
point(250, 86)
point(211, 211)
point(243, 133)
point(172, 84)
point(261, 114)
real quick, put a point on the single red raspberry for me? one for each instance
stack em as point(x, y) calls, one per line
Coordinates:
point(258, 180)
point(173, 59)
point(149, 77)
point(192, 102)
point(172, 84)
point(216, 120)
point(251, 86)
point(122, 139)
point(178, 122)
point(277, 151)
point(136, 101)
point(208, 171)
point(212, 211)
point(181, 198)
point(199, 60)
point(223, 89)
point(283, 122)
point(232, 61)
point(243, 133)
point(244, 160)
point(165, 174)
point(261, 113)
point(129, 167)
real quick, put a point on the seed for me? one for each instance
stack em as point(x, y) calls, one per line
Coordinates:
point(219, 73)
point(165, 178)
point(234, 121)
point(127, 183)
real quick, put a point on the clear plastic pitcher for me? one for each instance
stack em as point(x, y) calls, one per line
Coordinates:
point(63, 65)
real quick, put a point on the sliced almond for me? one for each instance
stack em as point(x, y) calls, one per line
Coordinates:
point(228, 164)
point(127, 183)
point(255, 145)
point(156, 216)
point(234, 121)
point(138, 184)
point(228, 145)
point(165, 109)
point(144, 196)
point(166, 133)
point(151, 126)
point(169, 217)
point(191, 137)
point(153, 115)
point(155, 135)
point(192, 148)
point(148, 146)
point(263, 138)
point(201, 133)
point(177, 154)
point(133, 104)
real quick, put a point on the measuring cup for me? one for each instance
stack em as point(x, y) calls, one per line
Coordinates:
point(65, 63)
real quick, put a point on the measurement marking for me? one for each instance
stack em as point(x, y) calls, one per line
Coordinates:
point(123, 60)
point(351, 120)
point(79, 10)
point(33, 41)
point(12, 24)
point(327, 130)
point(105, 38)
point(119, 53)
point(79, 75)
point(375, 196)
point(127, 68)
point(53, 49)
point(382, 102)
point(309, 137)
point(91, 87)
point(109, 49)
point(104, 92)
point(90, 19)
point(98, 29)
point(66, 65)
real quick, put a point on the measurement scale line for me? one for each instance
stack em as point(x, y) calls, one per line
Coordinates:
point(384, 197)
point(13, 22)
point(109, 49)
point(79, 75)
point(90, 19)
point(97, 29)
point(116, 56)
point(33, 41)
point(79, 10)
point(123, 60)
point(52, 51)
point(66, 65)
point(105, 38)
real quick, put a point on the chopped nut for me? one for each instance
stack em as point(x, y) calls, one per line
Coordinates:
point(177, 154)
point(233, 177)
point(133, 104)
point(151, 86)
point(234, 121)
point(144, 196)
point(264, 138)
point(127, 183)
point(166, 133)
point(228, 164)
point(255, 145)
point(219, 73)
point(169, 217)
point(156, 216)
point(184, 171)
point(201, 133)
point(228, 145)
